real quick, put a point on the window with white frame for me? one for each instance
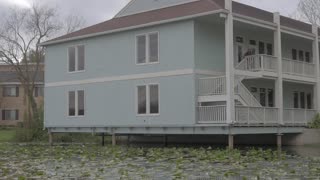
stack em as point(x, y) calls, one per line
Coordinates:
point(148, 99)
point(10, 115)
point(38, 91)
point(76, 55)
point(147, 47)
point(301, 55)
point(76, 103)
point(10, 91)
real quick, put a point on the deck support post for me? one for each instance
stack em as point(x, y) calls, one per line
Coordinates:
point(114, 140)
point(165, 140)
point(230, 141)
point(279, 145)
point(50, 138)
point(102, 139)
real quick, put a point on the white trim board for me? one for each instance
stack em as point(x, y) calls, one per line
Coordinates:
point(122, 78)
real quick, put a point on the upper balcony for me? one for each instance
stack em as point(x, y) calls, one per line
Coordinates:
point(254, 51)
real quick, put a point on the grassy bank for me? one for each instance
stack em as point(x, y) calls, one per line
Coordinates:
point(7, 135)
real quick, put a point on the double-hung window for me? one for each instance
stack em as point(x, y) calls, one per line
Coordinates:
point(76, 55)
point(148, 99)
point(10, 115)
point(10, 91)
point(76, 103)
point(147, 48)
point(38, 91)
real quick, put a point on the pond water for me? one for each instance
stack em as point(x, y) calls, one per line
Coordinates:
point(21, 161)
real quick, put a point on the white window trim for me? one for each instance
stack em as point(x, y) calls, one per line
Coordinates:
point(305, 99)
point(9, 96)
point(147, 48)
point(76, 103)
point(147, 100)
point(76, 59)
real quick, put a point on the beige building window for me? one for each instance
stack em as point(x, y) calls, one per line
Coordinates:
point(10, 91)
point(10, 115)
point(38, 92)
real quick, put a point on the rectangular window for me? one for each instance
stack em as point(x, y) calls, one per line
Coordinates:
point(72, 103)
point(10, 91)
point(72, 59)
point(309, 101)
point(148, 99)
point(269, 49)
point(261, 48)
point(270, 97)
point(153, 48)
point(81, 103)
point(147, 48)
point(141, 49)
point(239, 39)
point(307, 57)
point(302, 100)
point(76, 58)
point(76, 103)
point(294, 54)
point(154, 99)
point(296, 100)
point(10, 115)
point(263, 97)
point(38, 92)
point(81, 57)
point(142, 100)
point(301, 56)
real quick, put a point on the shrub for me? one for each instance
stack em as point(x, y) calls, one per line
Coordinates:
point(315, 123)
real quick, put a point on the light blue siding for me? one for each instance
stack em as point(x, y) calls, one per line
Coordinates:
point(114, 103)
point(209, 46)
point(114, 55)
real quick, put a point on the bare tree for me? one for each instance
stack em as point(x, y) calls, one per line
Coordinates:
point(21, 33)
point(309, 10)
point(73, 23)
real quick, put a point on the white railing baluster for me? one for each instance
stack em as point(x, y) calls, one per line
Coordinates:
point(212, 114)
point(212, 86)
point(295, 67)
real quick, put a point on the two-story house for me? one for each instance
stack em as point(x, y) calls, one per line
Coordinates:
point(13, 106)
point(185, 67)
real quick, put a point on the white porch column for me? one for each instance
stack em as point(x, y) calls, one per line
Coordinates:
point(229, 63)
point(278, 54)
point(315, 52)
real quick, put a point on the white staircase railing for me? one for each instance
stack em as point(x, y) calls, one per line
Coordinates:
point(256, 115)
point(245, 94)
point(259, 62)
point(298, 116)
point(212, 86)
point(293, 67)
point(212, 114)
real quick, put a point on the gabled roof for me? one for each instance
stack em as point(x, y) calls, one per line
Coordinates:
point(178, 11)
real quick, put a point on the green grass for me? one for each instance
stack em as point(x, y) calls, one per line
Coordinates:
point(7, 135)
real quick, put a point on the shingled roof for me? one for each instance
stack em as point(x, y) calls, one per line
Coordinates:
point(179, 11)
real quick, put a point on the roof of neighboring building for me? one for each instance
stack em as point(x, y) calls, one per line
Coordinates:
point(9, 75)
point(179, 11)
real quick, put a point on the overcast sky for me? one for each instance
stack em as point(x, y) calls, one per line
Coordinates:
point(95, 11)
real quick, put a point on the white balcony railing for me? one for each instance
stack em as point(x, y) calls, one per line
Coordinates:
point(298, 116)
point(212, 114)
point(212, 86)
point(293, 67)
point(259, 62)
point(256, 116)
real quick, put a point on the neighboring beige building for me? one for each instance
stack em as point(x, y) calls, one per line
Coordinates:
point(12, 98)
